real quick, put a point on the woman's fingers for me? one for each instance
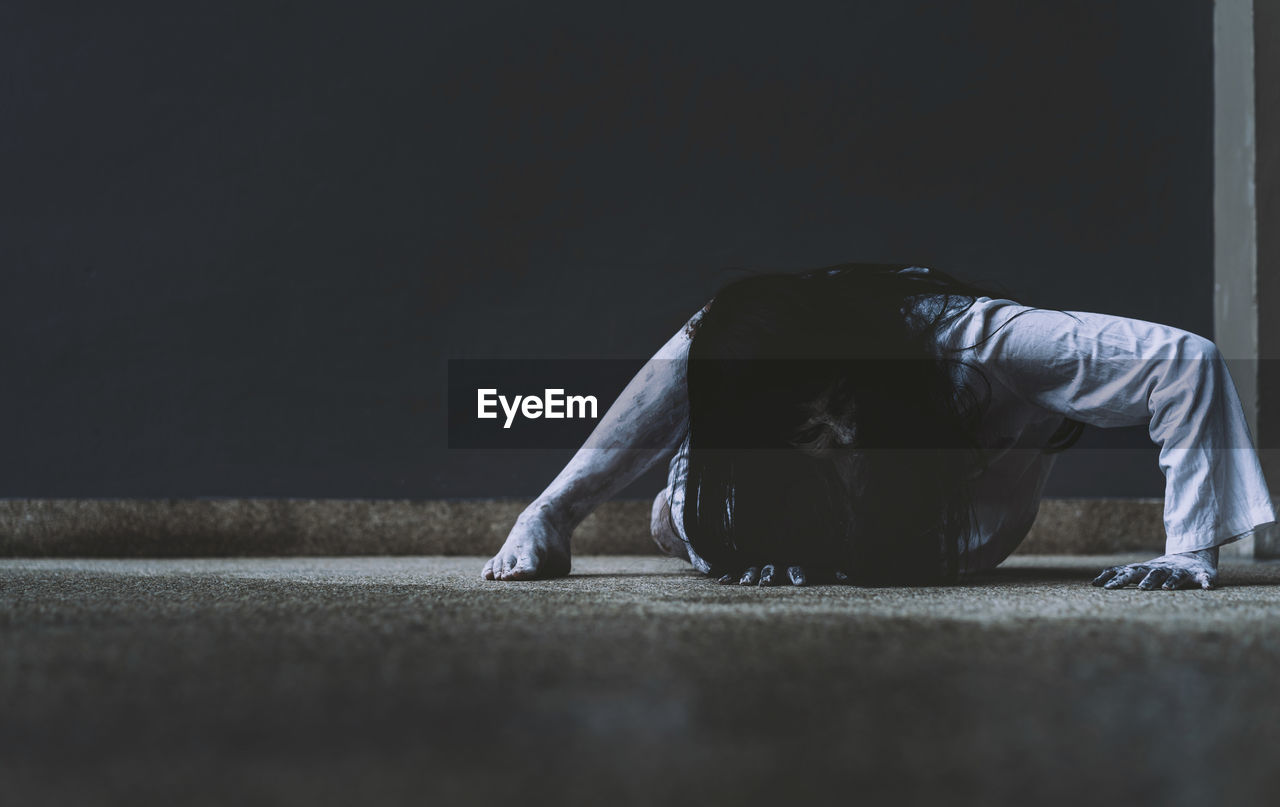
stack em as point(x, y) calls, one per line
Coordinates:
point(1127, 575)
point(772, 575)
point(1149, 577)
point(767, 575)
point(1154, 578)
point(1179, 578)
point(1106, 575)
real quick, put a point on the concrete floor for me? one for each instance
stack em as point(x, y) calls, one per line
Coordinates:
point(409, 680)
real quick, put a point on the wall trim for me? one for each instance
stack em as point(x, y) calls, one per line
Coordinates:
point(274, 527)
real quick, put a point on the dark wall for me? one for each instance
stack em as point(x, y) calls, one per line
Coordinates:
point(240, 240)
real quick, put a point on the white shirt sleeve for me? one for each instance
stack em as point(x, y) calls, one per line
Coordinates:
point(1113, 371)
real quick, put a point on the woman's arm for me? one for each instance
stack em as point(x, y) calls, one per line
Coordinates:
point(1114, 371)
point(642, 427)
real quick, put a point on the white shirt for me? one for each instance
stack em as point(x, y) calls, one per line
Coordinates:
point(1103, 371)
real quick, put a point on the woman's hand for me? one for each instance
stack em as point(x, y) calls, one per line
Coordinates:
point(535, 548)
point(1197, 569)
point(773, 575)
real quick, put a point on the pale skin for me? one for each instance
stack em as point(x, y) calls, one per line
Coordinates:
point(652, 411)
point(643, 428)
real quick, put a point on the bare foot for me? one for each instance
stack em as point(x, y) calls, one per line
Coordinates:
point(535, 548)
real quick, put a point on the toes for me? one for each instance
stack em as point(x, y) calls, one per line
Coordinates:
point(503, 566)
point(796, 574)
point(1204, 580)
point(1154, 578)
point(750, 577)
point(767, 574)
point(524, 569)
point(727, 577)
point(1106, 575)
point(487, 574)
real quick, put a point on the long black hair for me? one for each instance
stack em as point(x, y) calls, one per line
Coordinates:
point(827, 429)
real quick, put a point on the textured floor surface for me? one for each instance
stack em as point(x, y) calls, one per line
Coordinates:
point(411, 681)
